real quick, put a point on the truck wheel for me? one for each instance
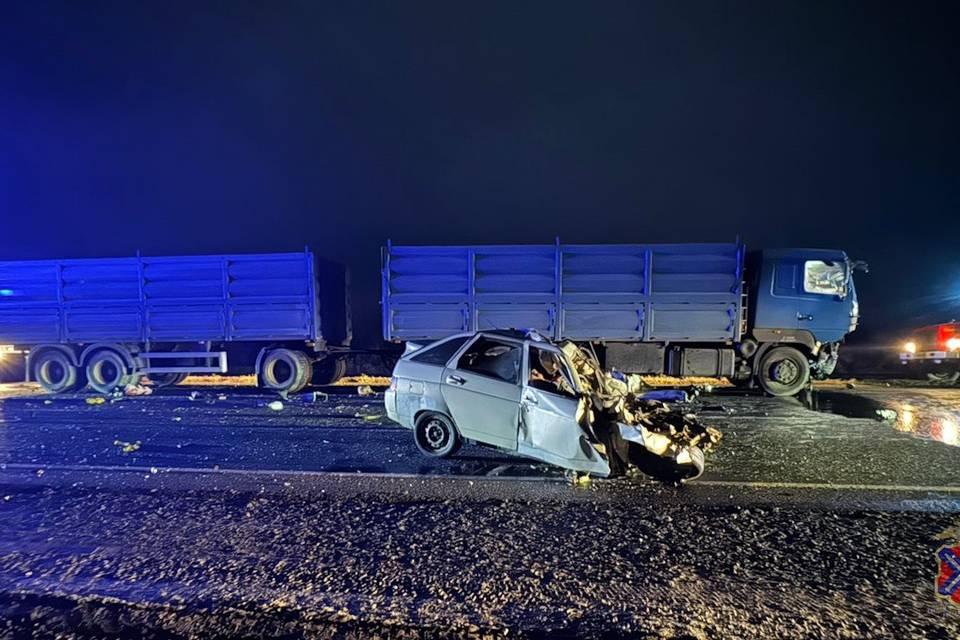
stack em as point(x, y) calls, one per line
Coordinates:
point(285, 370)
point(167, 379)
point(107, 371)
point(329, 370)
point(783, 371)
point(55, 373)
point(435, 435)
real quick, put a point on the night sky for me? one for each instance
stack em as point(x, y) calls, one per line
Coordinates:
point(234, 127)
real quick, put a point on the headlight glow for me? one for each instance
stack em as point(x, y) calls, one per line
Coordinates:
point(910, 347)
point(953, 344)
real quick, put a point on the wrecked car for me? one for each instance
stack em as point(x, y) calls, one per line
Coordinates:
point(522, 394)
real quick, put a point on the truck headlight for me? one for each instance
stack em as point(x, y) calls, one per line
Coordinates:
point(910, 347)
point(953, 344)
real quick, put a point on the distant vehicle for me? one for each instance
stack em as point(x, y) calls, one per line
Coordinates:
point(105, 322)
point(775, 317)
point(484, 387)
point(935, 351)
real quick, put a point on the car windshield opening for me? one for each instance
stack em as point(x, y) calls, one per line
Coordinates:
point(548, 373)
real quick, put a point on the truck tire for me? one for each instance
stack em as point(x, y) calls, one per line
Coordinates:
point(783, 371)
point(160, 380)
point(329, 370)
point(106, 371)
point(56, 373)
point(285, 370)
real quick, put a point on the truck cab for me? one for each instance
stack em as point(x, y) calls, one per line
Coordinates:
point(804, 300)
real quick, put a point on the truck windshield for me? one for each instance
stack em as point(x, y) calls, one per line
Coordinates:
point(827, 278)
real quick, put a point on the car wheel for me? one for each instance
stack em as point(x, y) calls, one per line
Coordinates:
point(436, 436)
point(783, 371)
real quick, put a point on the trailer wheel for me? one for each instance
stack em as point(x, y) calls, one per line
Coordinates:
point(167, 379)
point(107, 371)
point(435, 435)
point(285, 370)
point(783, 371)
point(329, 370)
point(56, 373)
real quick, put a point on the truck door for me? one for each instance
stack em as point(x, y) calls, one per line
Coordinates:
point(548, 408)
point(780, 311)
point(483, 391)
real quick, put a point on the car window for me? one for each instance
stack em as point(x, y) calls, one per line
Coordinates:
point(492, 358)
point(828, 278)
point(440, 353)
point(547, 372)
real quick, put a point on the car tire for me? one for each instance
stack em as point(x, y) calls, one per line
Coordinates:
point(783, 371)
point(285, 370)
point(56, 373)
point(436, 436)
point(106, 371)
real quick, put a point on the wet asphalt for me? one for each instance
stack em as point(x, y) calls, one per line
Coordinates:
point(218, 516)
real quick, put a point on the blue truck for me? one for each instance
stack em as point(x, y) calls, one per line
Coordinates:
point(107, 322)
point(772, 318)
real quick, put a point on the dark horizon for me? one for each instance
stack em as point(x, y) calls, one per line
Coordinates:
point(247, 127)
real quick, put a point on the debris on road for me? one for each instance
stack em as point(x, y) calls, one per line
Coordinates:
point(365, 390)
point(127, 447)
point(886, 415)
point(363, 379)
point(276, 405)
point(314, 396)
point(94, 400)
point(137, 390)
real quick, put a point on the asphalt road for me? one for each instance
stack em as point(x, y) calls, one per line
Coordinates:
point(219, 516)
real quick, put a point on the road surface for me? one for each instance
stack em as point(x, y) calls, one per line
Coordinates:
point(218, 515)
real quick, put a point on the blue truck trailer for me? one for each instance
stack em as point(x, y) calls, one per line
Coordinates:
point(105, 322)
point(773, 318)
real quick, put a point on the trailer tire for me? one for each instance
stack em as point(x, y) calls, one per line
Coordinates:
point(783, 371)
point(435, 435)
point(329, 370)
point(56, 373)
point(161, 380)
point(285, 370)
point(106, 371)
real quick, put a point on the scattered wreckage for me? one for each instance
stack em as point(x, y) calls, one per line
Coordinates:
point(520, 393)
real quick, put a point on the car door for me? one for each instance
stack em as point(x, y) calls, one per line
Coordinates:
point(482, 391)
point(548, 408)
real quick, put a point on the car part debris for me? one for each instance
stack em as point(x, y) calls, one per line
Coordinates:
point(96, 400)
point(276, 405)
point(635, 427)
point(365, 390)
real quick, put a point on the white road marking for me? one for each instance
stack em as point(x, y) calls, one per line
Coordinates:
point(827, 485)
